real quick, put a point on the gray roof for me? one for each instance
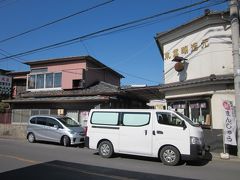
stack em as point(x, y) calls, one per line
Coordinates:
point(158, 92)
point(209, 80)
point(59, 99)
point(99, 89)
point(73, 58)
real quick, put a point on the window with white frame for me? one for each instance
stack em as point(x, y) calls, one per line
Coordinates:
point(44, 81)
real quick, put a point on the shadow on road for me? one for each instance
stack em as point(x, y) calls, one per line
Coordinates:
point(62, 170)
point(206, 159)
point(58, 144)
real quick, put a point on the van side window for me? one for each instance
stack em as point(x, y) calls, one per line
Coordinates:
point(33, 120)
point(41, 121)
point(105, 118)
point(135, 119)
point(169, 119)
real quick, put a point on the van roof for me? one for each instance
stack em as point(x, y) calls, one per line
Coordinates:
point(131, 110)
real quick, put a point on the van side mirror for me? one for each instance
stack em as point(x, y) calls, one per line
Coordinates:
point(184, 125)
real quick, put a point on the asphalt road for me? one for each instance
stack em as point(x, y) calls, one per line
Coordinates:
point(22, 160)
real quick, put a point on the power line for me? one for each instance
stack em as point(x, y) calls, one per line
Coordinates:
point(97, 33)
point(138, 77)
point(4, 53)
point(55, 21)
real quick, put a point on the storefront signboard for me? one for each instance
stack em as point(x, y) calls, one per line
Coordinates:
point(229, 123)
point(5, 85)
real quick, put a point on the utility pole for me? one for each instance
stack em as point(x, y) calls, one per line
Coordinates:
point(236, 64)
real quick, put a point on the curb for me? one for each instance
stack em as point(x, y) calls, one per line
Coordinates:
point(216, 156)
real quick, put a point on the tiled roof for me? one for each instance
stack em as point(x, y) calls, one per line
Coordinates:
point(157, 92)
point(209, 80)
point(100, 88)
point(59, 99)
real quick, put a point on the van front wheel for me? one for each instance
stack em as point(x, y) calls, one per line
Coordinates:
point(170, 156)
point(105, 149)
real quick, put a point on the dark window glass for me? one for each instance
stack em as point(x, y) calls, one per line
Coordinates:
point(33, 120)
point(67, 121)
point(41, 120)
point(51, 122)
point(169, 119)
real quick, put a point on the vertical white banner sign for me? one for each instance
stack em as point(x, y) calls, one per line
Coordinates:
point(230, 124)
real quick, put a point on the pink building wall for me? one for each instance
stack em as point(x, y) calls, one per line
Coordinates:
point(70, 71)
point(93, 75)
point(77, 70)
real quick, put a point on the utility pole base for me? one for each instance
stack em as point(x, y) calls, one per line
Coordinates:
point(224, 156)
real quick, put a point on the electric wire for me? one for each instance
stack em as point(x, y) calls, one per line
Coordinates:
point(87, 36)
point(56, 21)
point(142, 24)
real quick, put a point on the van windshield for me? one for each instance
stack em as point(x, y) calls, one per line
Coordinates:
point(188, 119)
point(68, 122)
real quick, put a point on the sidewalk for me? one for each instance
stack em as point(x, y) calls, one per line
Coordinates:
point(216, 156)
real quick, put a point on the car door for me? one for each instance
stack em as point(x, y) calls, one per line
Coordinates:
point(53, 130)
point(135, 133)
point(170, 129)
point(41, 128)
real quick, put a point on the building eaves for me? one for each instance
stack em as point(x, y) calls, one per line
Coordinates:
point(191, 26)
point(196, 20)
point(209, 80)
point(59, 99)
point(144, 93)
point(99, 89)
point(17, 73)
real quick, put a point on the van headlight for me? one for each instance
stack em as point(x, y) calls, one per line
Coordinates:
point(195, 140)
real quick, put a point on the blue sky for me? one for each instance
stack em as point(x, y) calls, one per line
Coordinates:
point(133, 53)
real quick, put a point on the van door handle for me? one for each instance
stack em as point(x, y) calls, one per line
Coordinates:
point(159, 132)
point(145, 132)
point(153, 132)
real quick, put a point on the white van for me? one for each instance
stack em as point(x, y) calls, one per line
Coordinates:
point(169, 135)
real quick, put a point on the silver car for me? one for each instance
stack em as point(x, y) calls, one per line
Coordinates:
point(60, 129)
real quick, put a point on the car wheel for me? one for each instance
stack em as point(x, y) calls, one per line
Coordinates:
point(31, 138)
point(65, 141)
point(105, 149)
point(170, 156)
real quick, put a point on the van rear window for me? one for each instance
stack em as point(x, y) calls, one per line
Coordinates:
point(105, 118)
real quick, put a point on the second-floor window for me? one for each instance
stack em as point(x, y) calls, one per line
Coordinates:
point(44, 81)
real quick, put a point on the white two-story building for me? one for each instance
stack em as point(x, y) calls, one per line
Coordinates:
point(198, 70)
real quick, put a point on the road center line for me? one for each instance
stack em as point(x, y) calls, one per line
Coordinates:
point(20, 159)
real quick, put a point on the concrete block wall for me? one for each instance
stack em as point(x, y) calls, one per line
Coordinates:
point(13, 130)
